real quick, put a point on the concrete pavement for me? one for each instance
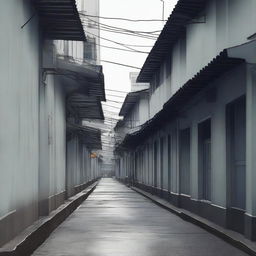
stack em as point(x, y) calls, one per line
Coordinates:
point(116, 221)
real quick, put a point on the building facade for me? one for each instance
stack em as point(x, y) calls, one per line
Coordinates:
point(197, 150)
point(45, 154)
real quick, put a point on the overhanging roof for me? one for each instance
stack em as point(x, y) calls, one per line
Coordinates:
point(84, 78)
point(60, 20)
point(130, 100)
point(184, 11)
point(119, 124)
point(213, 70)
point(91, 137)
point(85, 107)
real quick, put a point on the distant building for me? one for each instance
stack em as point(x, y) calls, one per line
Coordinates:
point(198, 148)
point(137, 86)
point(87, 51)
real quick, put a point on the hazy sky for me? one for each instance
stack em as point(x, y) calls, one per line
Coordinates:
point(117, 77)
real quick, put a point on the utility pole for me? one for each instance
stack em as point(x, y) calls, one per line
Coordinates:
point(162, 10)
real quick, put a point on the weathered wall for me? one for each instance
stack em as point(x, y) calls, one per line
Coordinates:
point(19, 108)
point(225, 24)
point(197, 110)
point(33, 125)
point(81, 168)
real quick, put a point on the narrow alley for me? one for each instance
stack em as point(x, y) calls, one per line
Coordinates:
point(116, 221)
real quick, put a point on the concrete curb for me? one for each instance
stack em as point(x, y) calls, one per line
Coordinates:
point(210, 227)
point(35, 235)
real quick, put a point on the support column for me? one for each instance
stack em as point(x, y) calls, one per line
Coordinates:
point(250, 216)
point(218, 173)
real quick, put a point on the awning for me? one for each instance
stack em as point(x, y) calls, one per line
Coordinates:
point(82, 78)
point(245, 51)
point(60, 20)
point(184, 11)
point(91, 137)
point(83, 106)
point(213, 70)
point(119, 124)
point(130, 100)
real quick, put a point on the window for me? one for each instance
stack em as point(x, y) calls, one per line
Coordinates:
point(161, 75)
point(157, 78)
point(168, 66)
point(161, 162)
point(169, 162)
point(155, 152)
point(90, 49)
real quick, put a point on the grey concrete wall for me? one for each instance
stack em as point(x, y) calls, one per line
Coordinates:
point(81, 168)
point(229, 87)
point(33, 126)
point(226, 25)
point(192, 114)
point(19, 108)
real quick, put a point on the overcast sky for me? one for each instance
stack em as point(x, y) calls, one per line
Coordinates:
point(117, 77)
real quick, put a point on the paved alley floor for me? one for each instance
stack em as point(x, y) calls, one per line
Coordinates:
point(117, 221)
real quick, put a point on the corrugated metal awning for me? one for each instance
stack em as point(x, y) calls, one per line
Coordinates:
point(85, 107)
point(171, 109)
point(60, 20)
point(91, 137)
point(184, 11)
point(130, 100)
point(84, 78)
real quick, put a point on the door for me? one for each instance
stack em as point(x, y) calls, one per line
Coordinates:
point(236, 136)
point(204, 159)
point(184, 161)
point(155, 163)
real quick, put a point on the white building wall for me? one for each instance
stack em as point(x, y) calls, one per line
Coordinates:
point(225, 24)
point(56, 147)
point(33, 125)
point(19, 131)
point(75, 49)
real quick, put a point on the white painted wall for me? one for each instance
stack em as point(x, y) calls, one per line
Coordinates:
point(56, 116)
point(19, 94)
point(75, 49)
point(227, 23)
point(137, 116)
point(33, 125)
point(195, 112)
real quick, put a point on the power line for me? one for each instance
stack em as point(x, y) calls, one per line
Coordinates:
point(118, 96)
point(123, 32)
point(111, 62)
point(125, 19)
point(111, 106)
point(120, 102)
point(122, 44)
point(112, 41)
point(120, 64)
point(120, 49)
point(121, 28)
point(130, 34)
point(115, 91)
point(144, 34)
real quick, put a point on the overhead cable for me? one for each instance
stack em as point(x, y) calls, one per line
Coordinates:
point(116, 91)
point(120, 49)
point(112, 41)
point(121, 18)
point(148, 34)
point(120, 64)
